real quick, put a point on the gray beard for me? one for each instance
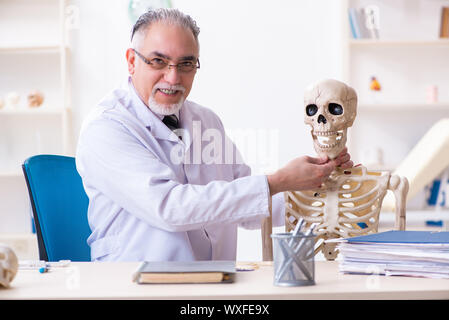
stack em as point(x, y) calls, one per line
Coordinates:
point(164, 110)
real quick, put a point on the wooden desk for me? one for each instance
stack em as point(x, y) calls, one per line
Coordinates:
point(86, 280)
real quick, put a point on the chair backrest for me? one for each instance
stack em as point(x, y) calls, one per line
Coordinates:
point(59, 205)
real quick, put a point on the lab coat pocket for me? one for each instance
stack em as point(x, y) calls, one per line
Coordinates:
point(100, 249)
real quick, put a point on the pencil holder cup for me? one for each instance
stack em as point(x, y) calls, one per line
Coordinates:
point(293, 259)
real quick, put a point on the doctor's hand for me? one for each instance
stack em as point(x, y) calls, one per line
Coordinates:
point(306, 172)
point(343, 160)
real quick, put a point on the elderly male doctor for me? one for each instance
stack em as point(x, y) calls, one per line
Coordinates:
point(154, 194)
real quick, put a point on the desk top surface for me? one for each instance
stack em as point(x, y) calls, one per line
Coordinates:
point(89, 280)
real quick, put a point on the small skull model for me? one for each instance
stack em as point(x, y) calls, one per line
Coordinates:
point(35, 99)
point(330, 109)
point(12, 100)
point(8, 265)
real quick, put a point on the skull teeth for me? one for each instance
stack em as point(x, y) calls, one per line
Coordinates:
point(324, 144)
point(327, 133)
point(328, 139)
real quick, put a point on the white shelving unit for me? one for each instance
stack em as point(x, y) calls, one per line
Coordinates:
point(44, 48)
point(407, 58)
point(403, 107)
point(398, 43)
point(33, 56)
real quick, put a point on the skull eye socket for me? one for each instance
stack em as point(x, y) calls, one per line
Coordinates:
point(311, 109)
point(335, 109)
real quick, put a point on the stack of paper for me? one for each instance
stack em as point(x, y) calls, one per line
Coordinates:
point(397, 253)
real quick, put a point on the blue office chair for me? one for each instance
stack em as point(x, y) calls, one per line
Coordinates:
point(59, 205)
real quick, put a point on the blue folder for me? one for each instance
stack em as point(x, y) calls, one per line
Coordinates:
point(398, 236)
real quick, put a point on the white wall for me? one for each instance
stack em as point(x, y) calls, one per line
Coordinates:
point(256, 59)
point(98, 42)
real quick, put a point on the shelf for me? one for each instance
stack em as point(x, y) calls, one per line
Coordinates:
point(35, 55)
point(440, 106)
point(397, 43)
point(11, 174)
point(33, 111)
point(30, 48)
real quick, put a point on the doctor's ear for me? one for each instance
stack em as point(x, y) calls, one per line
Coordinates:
point(130, 58)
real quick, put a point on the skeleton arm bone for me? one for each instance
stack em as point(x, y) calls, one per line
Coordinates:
point(399, 186)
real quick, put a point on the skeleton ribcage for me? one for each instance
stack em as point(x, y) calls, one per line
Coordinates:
point(347, 206)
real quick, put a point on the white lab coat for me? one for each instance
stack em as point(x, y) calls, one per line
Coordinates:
point(143, 205)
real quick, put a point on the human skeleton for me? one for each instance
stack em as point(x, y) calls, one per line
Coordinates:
point(349, 202)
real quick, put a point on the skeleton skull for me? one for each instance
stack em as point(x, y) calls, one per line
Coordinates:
point(330, 109)
point(8, 265)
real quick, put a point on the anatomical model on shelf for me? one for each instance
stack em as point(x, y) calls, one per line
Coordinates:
point(349, 202)
point(374, 84)
point(35, 99)
point(12, 100)
point(8, 265)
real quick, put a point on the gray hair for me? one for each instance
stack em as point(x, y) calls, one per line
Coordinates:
point(171, 16)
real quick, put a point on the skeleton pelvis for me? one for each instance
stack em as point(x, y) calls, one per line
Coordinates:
point(347, 205)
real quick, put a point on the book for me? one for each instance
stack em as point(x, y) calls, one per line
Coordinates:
point(185, 272)
point(444, 26)
point(354, 23)
point(404, 253)
point(365, 33)
point(371, 21)
point(404, 237)
point(358, 22)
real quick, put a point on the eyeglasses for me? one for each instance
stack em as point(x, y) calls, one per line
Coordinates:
point(161, 64)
